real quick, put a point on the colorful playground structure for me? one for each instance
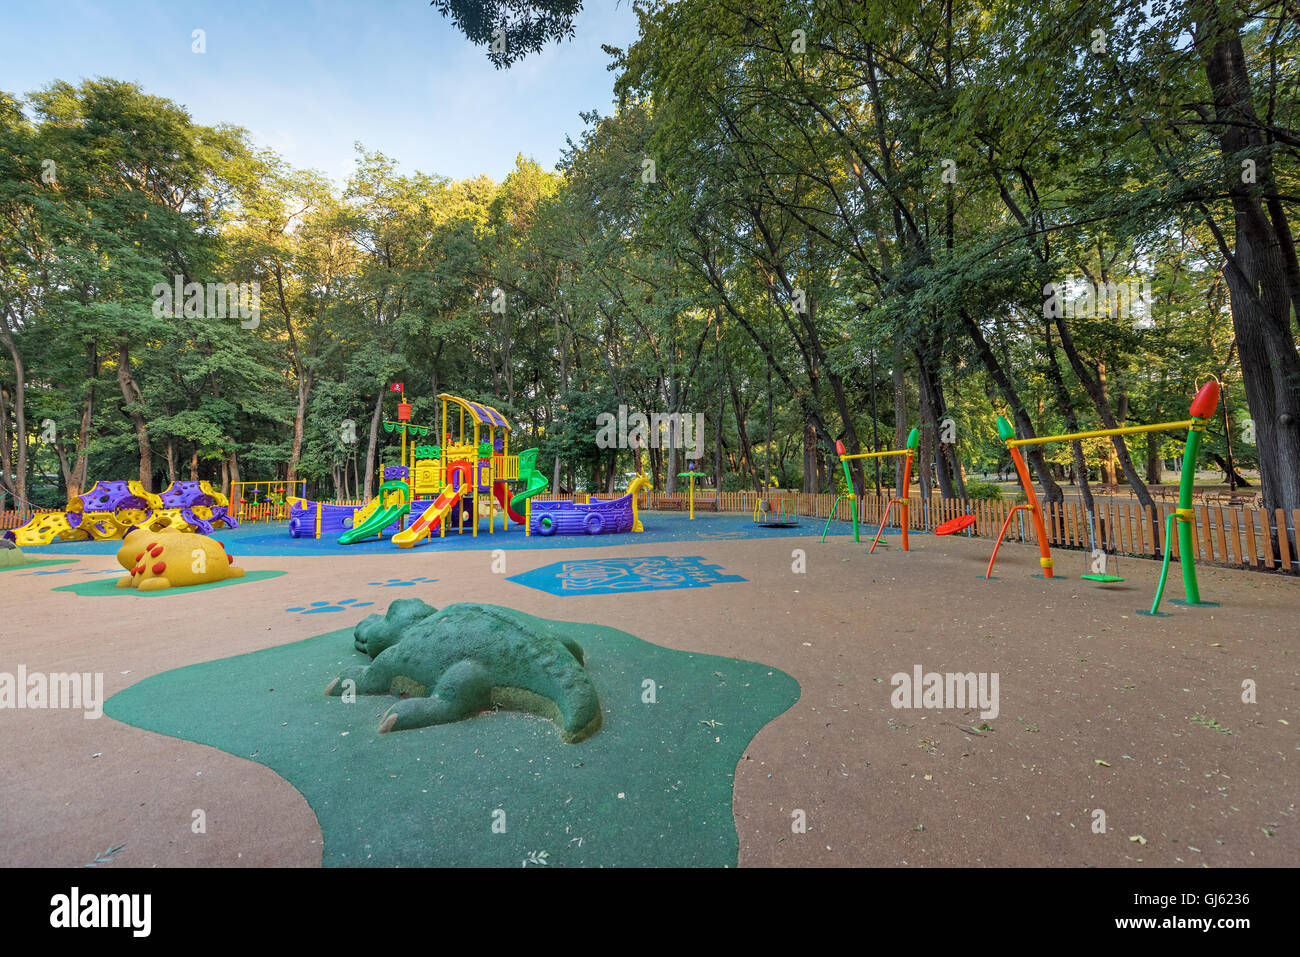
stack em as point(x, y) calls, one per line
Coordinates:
point(264, 500)
point(111, 509)
point(908, 451)
point(432, 485)
point(1201, 410)
point(455, 483)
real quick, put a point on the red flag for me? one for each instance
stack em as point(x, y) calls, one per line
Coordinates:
point(397, 387)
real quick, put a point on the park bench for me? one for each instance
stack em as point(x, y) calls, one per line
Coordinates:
point(708, 503)
point(1236, 499)
point(680, 502)
point(671, 503)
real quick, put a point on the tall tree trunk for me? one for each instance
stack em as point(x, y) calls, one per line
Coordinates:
point(900, 412)
point(851, 440)
point(234, 473)
point(299, 424)
point(742, 431)
point(722, 409)
point(673, 404)
point(18, 482)
point(767, 456)
point(133, 399)
point(376, 422)
point(6, 455)
point(1261, 271)
point(809, 458)
point(82, 465)
point(930, 391)
point(1066, 405)
point(1019, 414)
point(1155, 463)
point(1095, 386)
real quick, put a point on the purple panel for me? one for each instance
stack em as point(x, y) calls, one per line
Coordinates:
point(185, 495)
point(336, 519)
point(111, 496)
point(595, 518)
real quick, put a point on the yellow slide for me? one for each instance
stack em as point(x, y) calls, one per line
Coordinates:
point(427, 524)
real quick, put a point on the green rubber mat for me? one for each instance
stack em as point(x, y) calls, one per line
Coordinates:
point(98, 588)
point(37, 561)
point(653, 787)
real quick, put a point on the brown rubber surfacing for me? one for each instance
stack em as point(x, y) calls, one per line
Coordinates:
point(1066, 651)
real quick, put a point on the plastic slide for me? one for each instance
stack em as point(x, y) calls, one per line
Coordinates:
point(427, 524)
point(377, 516)
point(534, 482)
point(379, 520)
point(499, 490)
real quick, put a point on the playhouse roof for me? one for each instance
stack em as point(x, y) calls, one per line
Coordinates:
point(484, 414)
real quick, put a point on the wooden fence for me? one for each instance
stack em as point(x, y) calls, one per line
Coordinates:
point(1235, 536)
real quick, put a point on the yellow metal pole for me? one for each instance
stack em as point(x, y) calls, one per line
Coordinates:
point(473, 485)
point(1102, 433)
point(874, 455)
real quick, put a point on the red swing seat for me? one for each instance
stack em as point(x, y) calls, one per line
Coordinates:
point(955, 525)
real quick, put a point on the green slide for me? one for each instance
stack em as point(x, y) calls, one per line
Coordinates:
point(534, 481)
point(383, 516)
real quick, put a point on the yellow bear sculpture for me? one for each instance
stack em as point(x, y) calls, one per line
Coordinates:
point(163, 559)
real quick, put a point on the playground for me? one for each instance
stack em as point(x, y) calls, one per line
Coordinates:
point(691, 473)
point(777, 682)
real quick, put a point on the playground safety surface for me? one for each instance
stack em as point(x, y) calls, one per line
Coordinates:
point(1100, 708)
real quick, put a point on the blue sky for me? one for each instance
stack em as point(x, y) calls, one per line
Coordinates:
point(308, 78)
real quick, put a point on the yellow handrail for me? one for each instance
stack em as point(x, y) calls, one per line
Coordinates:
point(874, 455)
point(1102, 433)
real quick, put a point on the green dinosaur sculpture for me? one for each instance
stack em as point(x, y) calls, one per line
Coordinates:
point(451, 664)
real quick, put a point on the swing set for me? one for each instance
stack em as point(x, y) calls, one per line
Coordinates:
point(785, 514)
point(1201, 410)
point(908, 452)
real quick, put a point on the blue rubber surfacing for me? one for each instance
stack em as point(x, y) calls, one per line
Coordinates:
point(617, 576)
point(272, 540)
